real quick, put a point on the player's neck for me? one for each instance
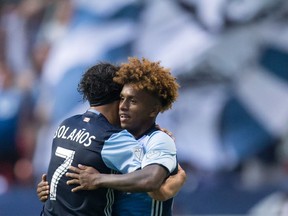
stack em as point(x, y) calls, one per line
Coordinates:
point(110, 111)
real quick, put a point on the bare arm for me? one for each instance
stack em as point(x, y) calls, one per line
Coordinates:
point(148, 179)
point(43, 189)
point(170, 187)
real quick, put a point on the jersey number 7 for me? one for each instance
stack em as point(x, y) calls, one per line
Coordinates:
point(68, 156)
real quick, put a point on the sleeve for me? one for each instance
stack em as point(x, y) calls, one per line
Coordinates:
point(160, 149)
point(122, 152)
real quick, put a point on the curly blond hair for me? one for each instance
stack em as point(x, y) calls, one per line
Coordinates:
point(151, 77)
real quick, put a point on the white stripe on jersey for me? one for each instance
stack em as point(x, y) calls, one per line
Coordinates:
point(161, 208)
point(156, 208)
point(110, 199)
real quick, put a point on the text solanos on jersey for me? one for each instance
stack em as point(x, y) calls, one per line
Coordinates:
point(81, 136)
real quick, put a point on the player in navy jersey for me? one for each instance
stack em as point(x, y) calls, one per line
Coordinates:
point(80, 139)
point(148, 90)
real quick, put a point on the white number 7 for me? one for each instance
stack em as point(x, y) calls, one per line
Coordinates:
point(68, 155)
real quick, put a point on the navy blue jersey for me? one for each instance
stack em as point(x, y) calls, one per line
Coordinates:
point(80, 140)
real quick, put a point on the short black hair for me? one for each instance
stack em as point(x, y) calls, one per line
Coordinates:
point(97, 85)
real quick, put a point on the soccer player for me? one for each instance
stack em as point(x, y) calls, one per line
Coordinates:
point(81, 138)
point(148, 89)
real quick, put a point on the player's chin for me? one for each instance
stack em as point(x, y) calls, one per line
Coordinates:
point(125, 124)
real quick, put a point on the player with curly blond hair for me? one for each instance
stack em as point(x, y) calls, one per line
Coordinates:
point(148, 89)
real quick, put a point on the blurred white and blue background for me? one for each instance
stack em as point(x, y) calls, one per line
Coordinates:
point(230, 121)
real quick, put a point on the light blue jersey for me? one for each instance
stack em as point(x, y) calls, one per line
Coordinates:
point(121, 155)
point(155, 147)
point(159, 148)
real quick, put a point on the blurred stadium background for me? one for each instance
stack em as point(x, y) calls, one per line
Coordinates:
point(230, 121)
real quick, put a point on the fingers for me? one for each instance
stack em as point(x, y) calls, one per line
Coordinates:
point(74, 169)
point(182, 172)
point(73, 181)
point(43, 184)
point(43, 198)
point(44, 177)
point(82, 167)
point(43, 189)
point(179, 167)
point(72, 175)
point(78, 188)
point(43, 195)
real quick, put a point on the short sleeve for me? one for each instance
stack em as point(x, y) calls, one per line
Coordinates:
point(160, 149)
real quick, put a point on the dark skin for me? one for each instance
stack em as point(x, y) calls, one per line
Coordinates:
point(43, 188)
point(148, 179)
point(167, 190)
point(137, 110)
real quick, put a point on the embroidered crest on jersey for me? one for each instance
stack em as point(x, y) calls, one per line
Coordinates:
point(153, 154)
point(138, 152)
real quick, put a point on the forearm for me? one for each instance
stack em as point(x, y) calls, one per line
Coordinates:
point(127, 182)
point(170, 187)
point(165, 192)
point(147, 179)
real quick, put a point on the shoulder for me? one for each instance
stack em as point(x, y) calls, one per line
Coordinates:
point(121, 134)
point(71, 118)
point(160, 135)
point(161, 140)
